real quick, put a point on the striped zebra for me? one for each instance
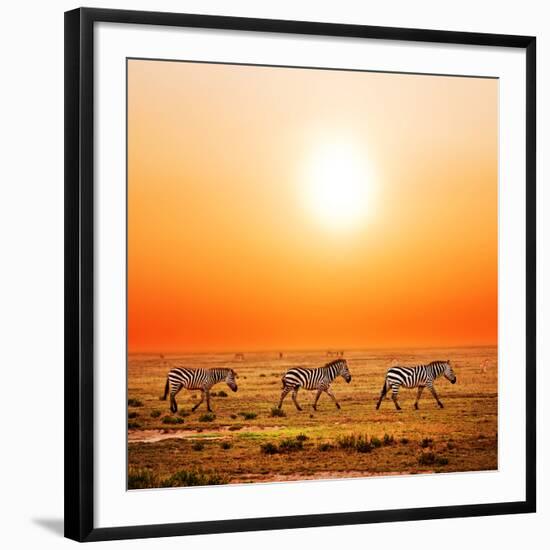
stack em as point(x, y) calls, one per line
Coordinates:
point(196, 379)
point(318, 379)
point(419, 377)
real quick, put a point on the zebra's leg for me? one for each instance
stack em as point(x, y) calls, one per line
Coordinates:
point(294, 394)
point(166, 390)
point(420, 390)
point(208, 400)
point(283, 395)
point(195, 407)
point(382, 394)
point(436, 397)
point(319, 392)
point(174, 389)
point(333, 397)
point(394, 392)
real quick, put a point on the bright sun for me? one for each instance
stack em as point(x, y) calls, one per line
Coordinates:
point(338, 185)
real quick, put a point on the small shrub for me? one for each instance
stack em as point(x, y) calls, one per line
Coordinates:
point(277, 412)
point(404, 441)
point(426, 458)
point(358, 442)
point(426, 442)
point(172, 420)
point(134, 403)
point(183, 413)
point(141, 478)
point(235, 427)
point(269, 449)
point(324, 447)
point(347, 441)
point(375, 442)
point(226, 445)
point(134, 425)
point(222, 394)
point(249, 415)
point(198, 446)
point(213, 394)
point(441, 461)
point(450, 445)
point(388, 439)
point(289, 445)
point(302, 437)
point(362, 445)
point(233, 416)
point(155, 414)
point(133, 414)
point(208, 417)
point(192, 478)
point(262, 375)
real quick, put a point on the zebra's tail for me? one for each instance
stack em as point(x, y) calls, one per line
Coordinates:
point(166, 389)
point(385, 388)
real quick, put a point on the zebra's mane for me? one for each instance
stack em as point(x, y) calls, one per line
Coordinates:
point(335, 362)
point(438, 362)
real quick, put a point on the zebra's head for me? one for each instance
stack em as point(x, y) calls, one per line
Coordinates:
point(344, 371)
point(448, 373)
point(230, 379)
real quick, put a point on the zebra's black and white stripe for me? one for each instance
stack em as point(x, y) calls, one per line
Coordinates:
point(196, 379)
point(420, 377)
point(318, 379)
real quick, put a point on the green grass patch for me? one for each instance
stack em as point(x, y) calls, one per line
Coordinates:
point(358, 442)
point(248, 415)
point(275, 411)
point(375, 442)
point(290, 445)
point(172, 420)
point(142, 478)
point(194, 478)
point(208, 417)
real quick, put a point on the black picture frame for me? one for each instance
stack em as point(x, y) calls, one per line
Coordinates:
point(79, 272)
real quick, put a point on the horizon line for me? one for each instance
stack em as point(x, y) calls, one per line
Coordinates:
point(306, 349)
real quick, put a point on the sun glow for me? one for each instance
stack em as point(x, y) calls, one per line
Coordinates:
point(338, 186)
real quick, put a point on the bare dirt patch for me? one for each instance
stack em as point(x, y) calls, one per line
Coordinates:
point(154, 436)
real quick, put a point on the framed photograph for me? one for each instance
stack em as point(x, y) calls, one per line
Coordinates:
point(300, 274)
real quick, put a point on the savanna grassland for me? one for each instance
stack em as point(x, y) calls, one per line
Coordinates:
point(245, 440)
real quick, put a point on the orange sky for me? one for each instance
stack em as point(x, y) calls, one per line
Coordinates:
point(224, 251)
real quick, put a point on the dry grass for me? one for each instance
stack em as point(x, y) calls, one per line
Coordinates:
point(460, 437)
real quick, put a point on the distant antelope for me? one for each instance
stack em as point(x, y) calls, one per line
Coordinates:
point(318, 379)
point(196, 379)
point(239, 356)
point(419, 377)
